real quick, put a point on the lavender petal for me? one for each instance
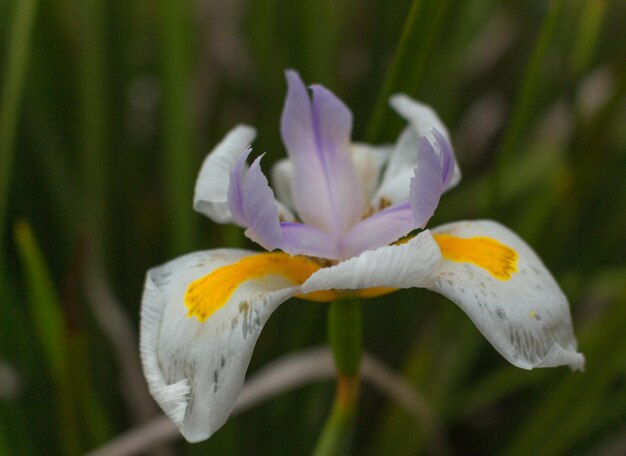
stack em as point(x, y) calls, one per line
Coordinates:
point(380, 229)
point(427, 184)
point(317, 137)
point(303, 239)
point(252, 203)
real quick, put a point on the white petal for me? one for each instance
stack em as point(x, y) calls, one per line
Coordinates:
point(422, 119)
point(282, 177)
point(419, 115)
point(211, 193)
point(368, 162)
point(527, 317)
point(412, 264)
point(195, 370)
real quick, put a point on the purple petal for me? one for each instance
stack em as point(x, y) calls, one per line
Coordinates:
point(252, 204)
point(235, 187)
point(427, 183)
point(317, 137)
point(380, 229)
point(447, 157)
point(302, 239)
point(423, 120)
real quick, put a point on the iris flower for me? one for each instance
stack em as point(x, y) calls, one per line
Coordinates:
point(343, 224)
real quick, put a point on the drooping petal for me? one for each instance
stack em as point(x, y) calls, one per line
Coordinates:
point(196, 370)
point(380, 229)
point(501, 284)
point(317, 137)
point(411, 264)
point(432, 174)
point(211, 192)
point(252, 204)
point(422, 120)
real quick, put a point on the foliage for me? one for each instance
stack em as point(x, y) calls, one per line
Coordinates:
point(108, 108)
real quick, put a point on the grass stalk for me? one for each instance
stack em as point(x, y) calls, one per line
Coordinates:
point(178, 157)
point(15, 72)
point(49, 324)
point(524, 102)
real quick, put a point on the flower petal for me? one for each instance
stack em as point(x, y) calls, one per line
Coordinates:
point(432, 174)
point(411, 264)
point(317, 137)
point(211, 192)
point(368, 162)
point(511, 297)
point(282, 180)
point(378, 230)
point(302, 239)
point(252, 204)
point(195, 370)
point(422, 120)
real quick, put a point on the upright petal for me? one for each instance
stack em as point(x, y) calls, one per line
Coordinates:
point(317, 137)
point(432, 174)
point(196, 370)
point(501, 284)
point(411, 264)
point(252, 204)
point(211, 193)
point(368, 162)
point(282, 181)
point(422, 120)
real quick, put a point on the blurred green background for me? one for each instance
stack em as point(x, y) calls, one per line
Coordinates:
point(107, 109)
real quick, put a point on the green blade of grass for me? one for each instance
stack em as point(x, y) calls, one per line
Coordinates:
point(589, 27)
point(548, 430)
point(94, 121)
point(525, 99)
point(49, 327)
point(178, 158)
point(408, 63)
point(15, 71)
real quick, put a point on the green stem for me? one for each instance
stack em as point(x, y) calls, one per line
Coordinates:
point(344, 334)
point(335, 437)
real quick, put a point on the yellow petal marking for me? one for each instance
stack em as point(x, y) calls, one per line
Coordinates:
point(489, 254)
point(207, 294)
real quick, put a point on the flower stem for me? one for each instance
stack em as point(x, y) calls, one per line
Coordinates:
point(344, 334)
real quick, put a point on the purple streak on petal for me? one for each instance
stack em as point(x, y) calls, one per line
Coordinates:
point(235, 188)
point(252, 204)
point(317, 137)
point(333, 122)
point(380, 229)
point(447, 157)
point(427, 183)
point(302, 239)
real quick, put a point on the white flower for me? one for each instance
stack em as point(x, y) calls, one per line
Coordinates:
point(344, 219)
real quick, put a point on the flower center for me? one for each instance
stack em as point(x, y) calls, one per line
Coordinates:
point(208, 294)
